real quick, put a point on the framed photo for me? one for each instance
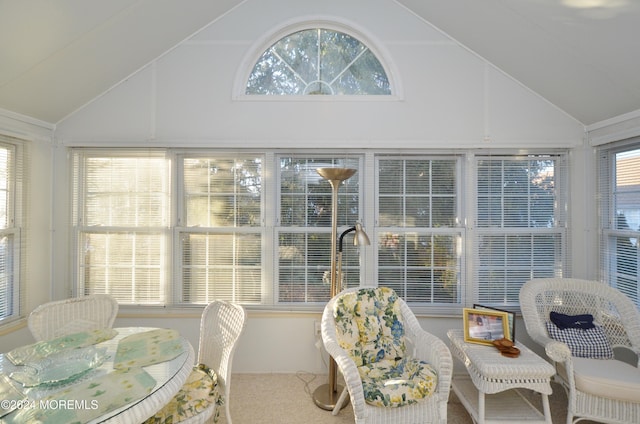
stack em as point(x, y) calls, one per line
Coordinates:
point(485, 326)
point(512, 318)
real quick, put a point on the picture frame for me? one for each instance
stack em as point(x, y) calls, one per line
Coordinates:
point(512, 318)
point(484, 326)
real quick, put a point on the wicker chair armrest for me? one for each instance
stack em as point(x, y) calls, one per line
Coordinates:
point(351, 376)
point(431, 349)
point(434, 351)
point(557, 351)
point(346, 365)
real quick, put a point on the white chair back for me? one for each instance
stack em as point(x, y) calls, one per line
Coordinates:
point(62, 317)
point(221, 325)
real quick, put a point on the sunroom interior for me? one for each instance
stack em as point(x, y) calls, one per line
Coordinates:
point(504, 150)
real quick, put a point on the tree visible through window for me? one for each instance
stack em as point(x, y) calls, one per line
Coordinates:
point(318, 62)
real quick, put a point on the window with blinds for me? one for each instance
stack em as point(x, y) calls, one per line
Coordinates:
point(418, 211)
point(521, 230)
point(12, 232)
point(122, 216)
point(182, 227)
point(220, 229)
point(619, 189)
point(303, 236)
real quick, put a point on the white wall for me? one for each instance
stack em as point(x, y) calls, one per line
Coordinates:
point(449, 97)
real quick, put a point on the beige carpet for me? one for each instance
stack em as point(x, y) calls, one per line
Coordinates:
point(286, 399)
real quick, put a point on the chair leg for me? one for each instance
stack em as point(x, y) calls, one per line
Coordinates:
point(340, 402)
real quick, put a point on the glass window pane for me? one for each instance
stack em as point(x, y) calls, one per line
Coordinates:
point(126, 191)
point(306, 197)
point(7, 287)
point(408, 193)
point(424, 266)
point(221, 266)
point(223, 192)
point(518, 193)
point(126, 265)
point(306, 201)
point(621, 251)
point(318, 62)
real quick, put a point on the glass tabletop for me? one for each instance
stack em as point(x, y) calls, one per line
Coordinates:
point(65, 382)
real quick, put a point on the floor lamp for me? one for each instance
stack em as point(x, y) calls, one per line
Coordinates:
point(326, 396)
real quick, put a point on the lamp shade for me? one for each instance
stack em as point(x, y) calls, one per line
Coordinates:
point(361, 238)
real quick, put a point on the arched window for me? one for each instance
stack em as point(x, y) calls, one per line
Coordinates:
point(318, 61)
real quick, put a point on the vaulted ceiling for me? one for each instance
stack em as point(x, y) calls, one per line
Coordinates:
point(581, 55)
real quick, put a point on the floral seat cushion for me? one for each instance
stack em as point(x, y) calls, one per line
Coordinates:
point(396, 383)
point(370, 326)
point(198, 393)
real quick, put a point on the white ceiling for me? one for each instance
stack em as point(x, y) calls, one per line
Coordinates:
point(581, 55)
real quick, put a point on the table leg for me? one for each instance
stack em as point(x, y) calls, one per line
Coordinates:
point(480, 407)
point(546, 409)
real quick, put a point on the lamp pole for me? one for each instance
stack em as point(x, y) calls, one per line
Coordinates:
point(326, 396)
point(360, 239)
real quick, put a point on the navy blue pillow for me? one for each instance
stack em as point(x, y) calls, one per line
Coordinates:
point(563, 321)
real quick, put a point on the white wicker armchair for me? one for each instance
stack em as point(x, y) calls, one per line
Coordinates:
point(62, 317)
point(605, 390)
point(423, 346)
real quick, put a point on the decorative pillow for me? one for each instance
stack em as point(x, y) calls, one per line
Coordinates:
point(370, 326)
point(589, 343)
point(584, 321)
point(394, 383)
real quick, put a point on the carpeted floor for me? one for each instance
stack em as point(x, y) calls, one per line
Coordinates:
point(286, 399)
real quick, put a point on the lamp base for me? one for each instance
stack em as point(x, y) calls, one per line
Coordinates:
point(327, 399)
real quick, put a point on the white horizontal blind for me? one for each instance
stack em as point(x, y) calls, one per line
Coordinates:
point(221, 244)
point(122, 216)
point(417, 232)
point(521, 227)
point(13, 156)
point(186, 227)
point(303, 234)
point(619, 189)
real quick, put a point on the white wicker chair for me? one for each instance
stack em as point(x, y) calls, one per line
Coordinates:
point(426, 347)
point(62, 317)
point(604, 390)
point(221, 325)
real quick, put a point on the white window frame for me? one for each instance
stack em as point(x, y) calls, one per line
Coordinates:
point(465, 228)
point(181, 229)
point(560, 229)
point(15, 222)
point(80, 227)
point(333, 159)
point(456, 231)
point(609, 233)
point(331, 23)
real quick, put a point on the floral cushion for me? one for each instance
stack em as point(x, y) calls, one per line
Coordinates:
point(198, 393)
point(397, 383)
point(370, 327)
